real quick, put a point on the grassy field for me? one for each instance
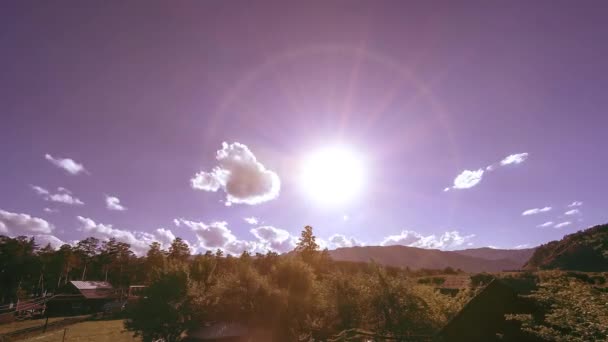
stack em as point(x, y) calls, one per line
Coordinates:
point(18, 325)
point(92, 331)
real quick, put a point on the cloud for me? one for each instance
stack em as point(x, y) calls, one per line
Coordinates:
point(575, 204)
point(339, 241)
point(514, 159)
point(165, 237)
point(275, 239)
point(23, 224)
point(210, 236)
point(139, 241)
point(62, 195)
point(522, 246)
point(448, 240)
point(240, 176)
point(251, 220)
point(468, 179)
point(51, 210)
point(535, 211)
point(67, 164)
point(44, 239)
point(563, 224)
point(113, 203)
point(572, 212)
point(546, 224)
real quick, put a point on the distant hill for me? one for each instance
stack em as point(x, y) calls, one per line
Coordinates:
point(585, 250)
point(469, 260)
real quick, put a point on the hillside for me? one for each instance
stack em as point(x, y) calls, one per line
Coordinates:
point(520, 256)
point(472, 260)
point(585, 250)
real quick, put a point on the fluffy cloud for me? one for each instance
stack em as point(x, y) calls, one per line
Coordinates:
point(535, 211)
point(546, 224)
point(563, 224)
point(210, 236)
point(514, 159)
point(572, 212)
point(67, 164)
point(23, 224)
point(44, 239)
point(139, 241)
point(468, 179)
point(448, 240)
point(575, 204)
point(339, 241)
point(240, 176)
point(50, 210)
point(113, 203)
point(275, 239)
point(62, 195)
point(251, 220)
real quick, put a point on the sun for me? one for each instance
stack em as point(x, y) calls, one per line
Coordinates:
point(332, 175)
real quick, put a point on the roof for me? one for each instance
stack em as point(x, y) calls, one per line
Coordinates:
point(91, 285)
point(94, 289)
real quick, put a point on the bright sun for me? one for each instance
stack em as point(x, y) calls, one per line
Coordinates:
point(333, 175)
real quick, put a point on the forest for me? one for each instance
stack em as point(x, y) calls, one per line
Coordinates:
point(302, 295)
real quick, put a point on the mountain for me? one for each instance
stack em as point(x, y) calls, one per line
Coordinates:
point(471, 260)
point(521, 256)
point(585, 250)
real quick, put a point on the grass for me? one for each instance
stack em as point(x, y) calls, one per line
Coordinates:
point(18, 325)
point(91, 331)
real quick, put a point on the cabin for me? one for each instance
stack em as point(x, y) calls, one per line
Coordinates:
point(483, 317)
point(80, 297)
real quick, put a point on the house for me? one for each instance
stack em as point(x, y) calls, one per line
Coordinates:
point(483, 317)
point(78, 297)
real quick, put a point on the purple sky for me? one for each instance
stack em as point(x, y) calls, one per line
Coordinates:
point(143, 95)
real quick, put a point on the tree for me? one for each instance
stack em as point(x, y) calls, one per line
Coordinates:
point(87, 249)
point(307, 245)
point(179, 250)
point(163, 313)
point(155, 261)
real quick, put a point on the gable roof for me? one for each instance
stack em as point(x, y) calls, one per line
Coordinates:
point(91, 285)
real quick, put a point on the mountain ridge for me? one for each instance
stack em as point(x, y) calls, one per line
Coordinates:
point(469, 260)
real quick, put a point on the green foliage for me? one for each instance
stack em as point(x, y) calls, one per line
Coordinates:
point(307, 245)
point(164, 312)
point(573, 310)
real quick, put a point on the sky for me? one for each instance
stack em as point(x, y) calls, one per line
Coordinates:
point(460, 124)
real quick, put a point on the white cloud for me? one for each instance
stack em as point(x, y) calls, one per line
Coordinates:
point(572, 212)
point(62, 195)
point(210, 236)
point(165, 237)
point(575, 204)
point(67, 164)
point(339, 240)
point(240, 176)
point(522, 246)
point(468, 179)
point(546, 224)
point(51, 210)
point(563, 224)
point(275, 239)
point(23, 224)
point(251, 220)
point(139, 241)
point(113, 203)
point(535, 211)
point(448, 240)
point(44, 239)
point(514, 159)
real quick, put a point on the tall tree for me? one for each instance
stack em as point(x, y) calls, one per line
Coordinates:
point(307, 245)
point(87, 249)
point(179, 250)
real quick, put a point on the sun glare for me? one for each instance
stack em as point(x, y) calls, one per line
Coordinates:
point(332, 175)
